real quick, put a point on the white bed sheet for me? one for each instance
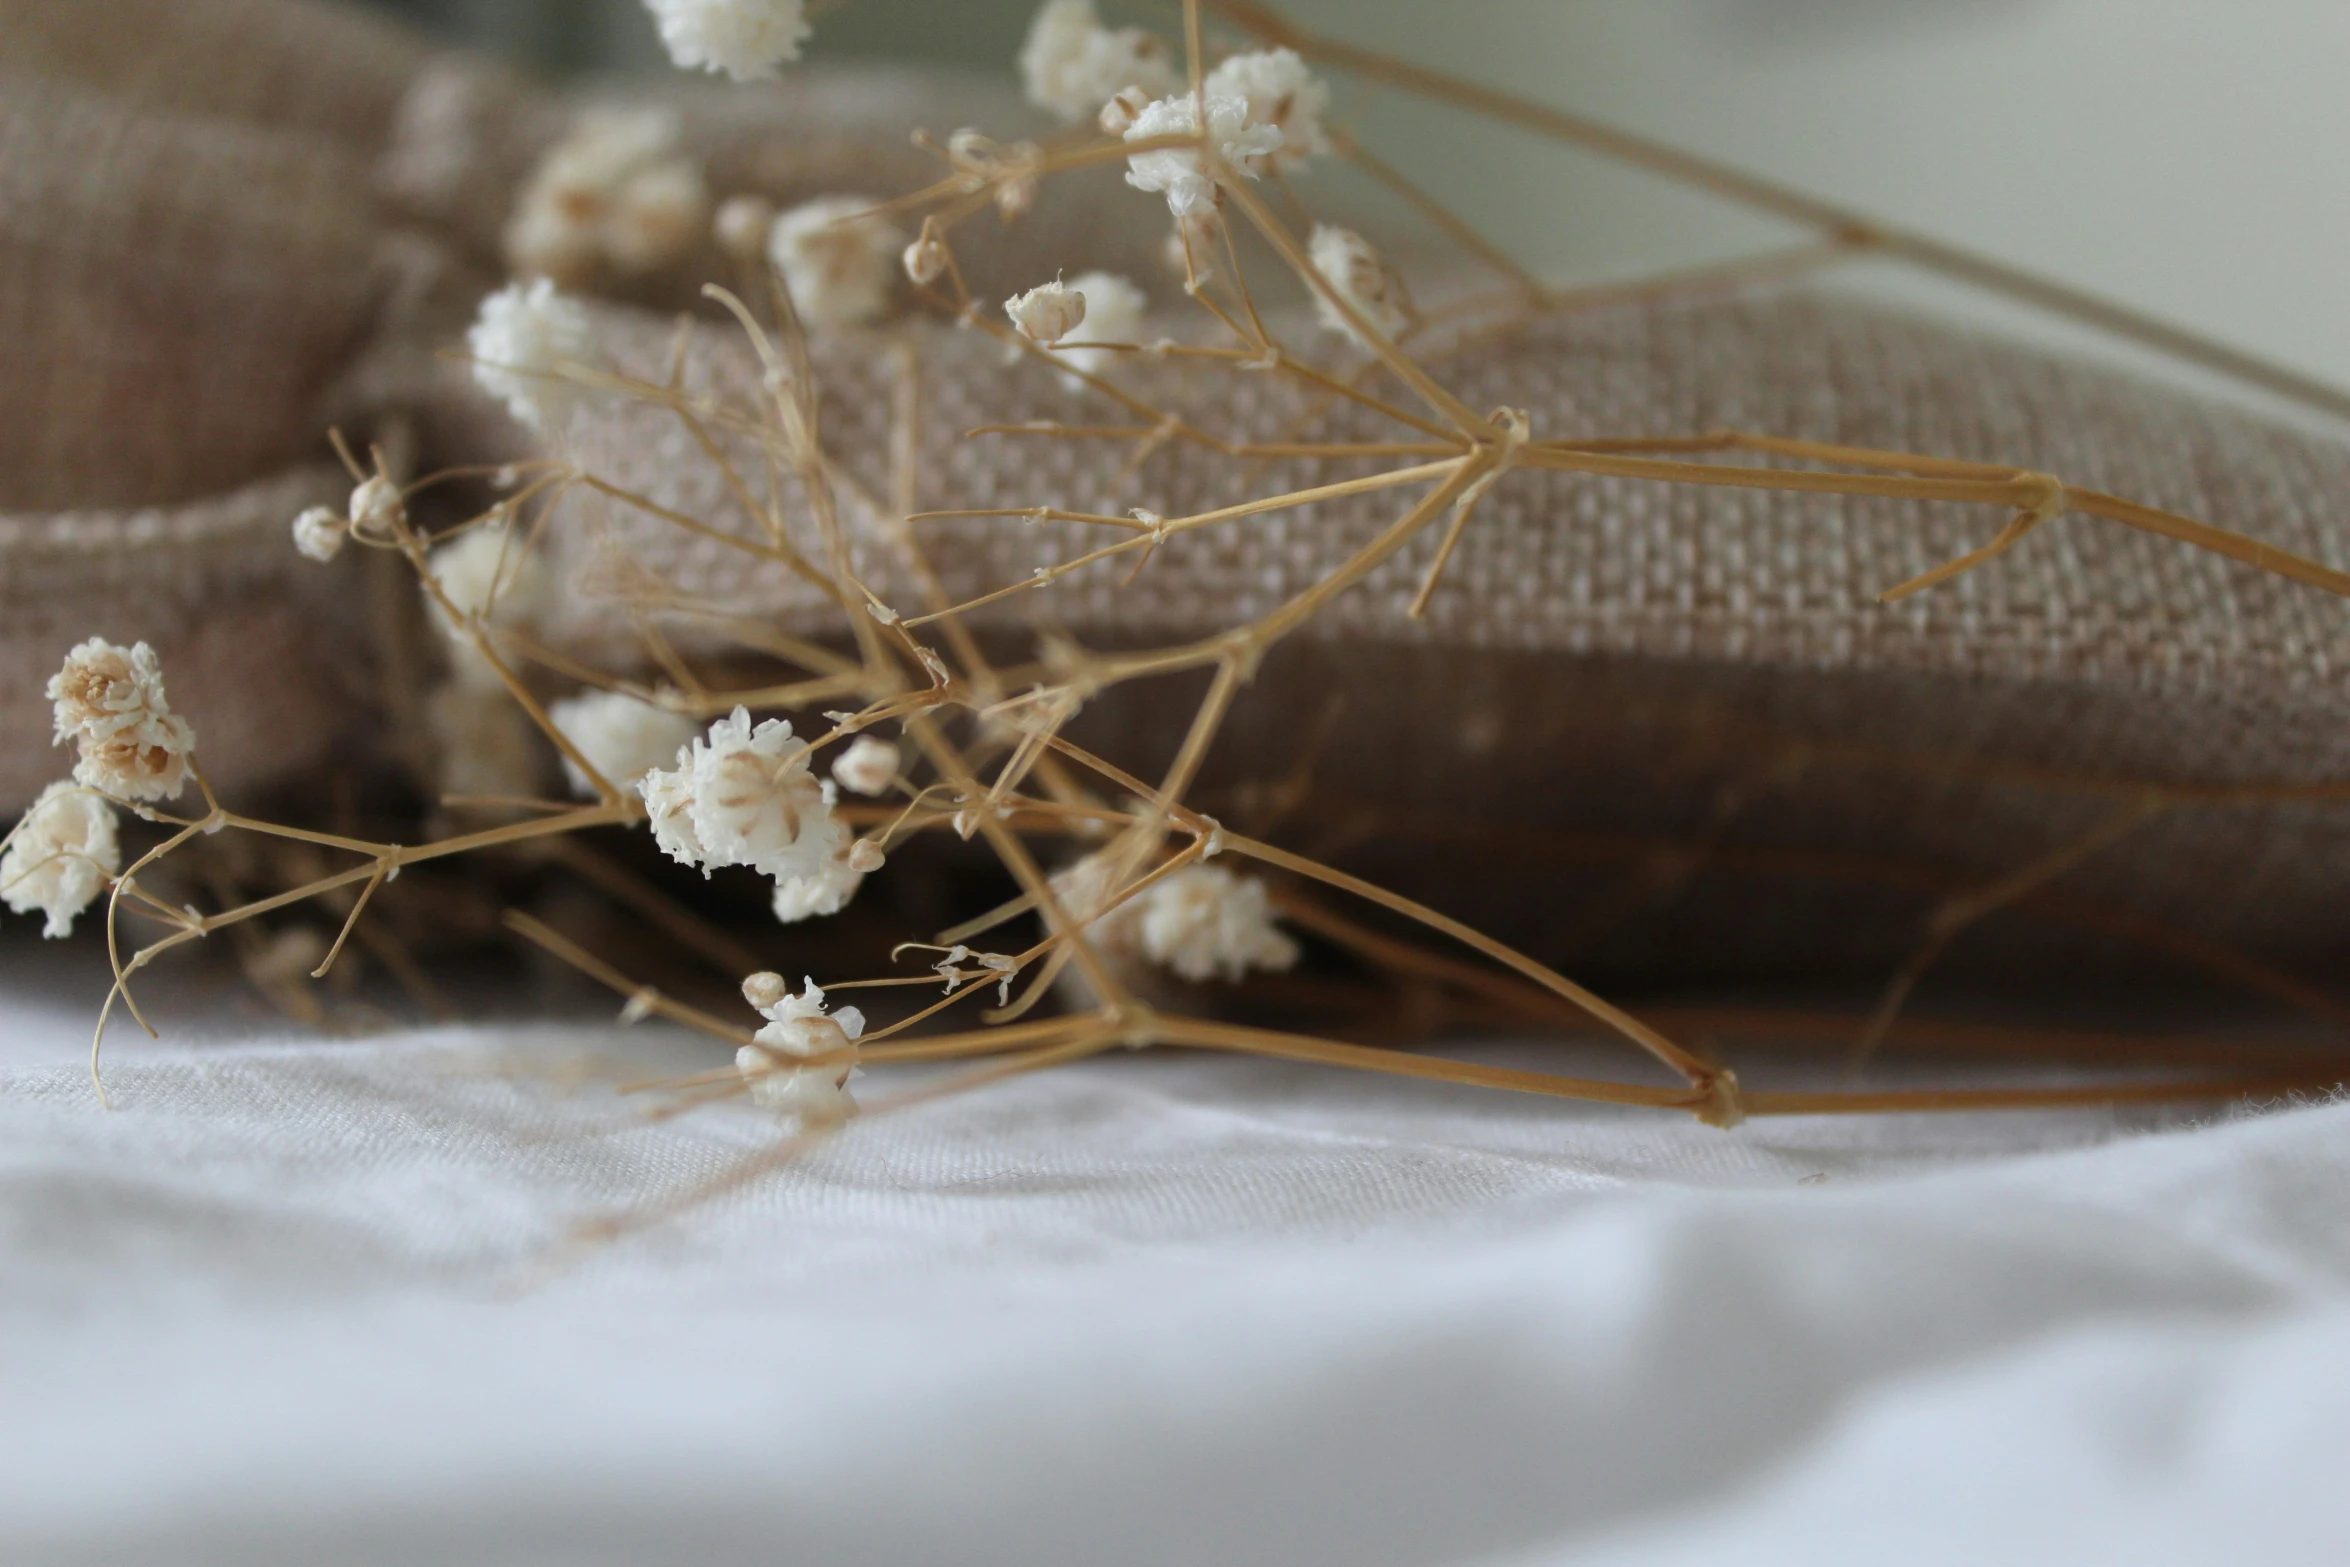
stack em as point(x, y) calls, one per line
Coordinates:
point(285, 1305)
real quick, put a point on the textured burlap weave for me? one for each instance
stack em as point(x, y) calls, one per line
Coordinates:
point(1616, 655)
point(228, 220)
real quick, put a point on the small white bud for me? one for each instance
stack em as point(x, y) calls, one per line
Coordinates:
point(766, 989)
point(319, 533)
point(865, 857)
point(867, 767)
point(1046, 313)
point(376, 508)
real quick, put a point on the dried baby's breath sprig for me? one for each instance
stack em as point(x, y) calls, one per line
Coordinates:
point(61, 856)
point(1000, 769)
point(746, 39)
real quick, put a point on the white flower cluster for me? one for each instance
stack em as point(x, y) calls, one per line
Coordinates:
point(523, 336)
point(779, 1067)
point(1203, 922)
point(1046, 313)
point(743, 795)
point(1071, 64)
point(61, 856)
point(622, 738)
point(746, 39)
point(1359, 275)
point(838, 261)
point(616, 193)
point(1282, 93)
point(109, 701)
point(1179, 173)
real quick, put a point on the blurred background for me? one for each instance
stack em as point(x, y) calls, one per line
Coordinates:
point(2179, 155)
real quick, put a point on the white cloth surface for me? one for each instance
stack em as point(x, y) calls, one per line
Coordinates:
point(288, 1304)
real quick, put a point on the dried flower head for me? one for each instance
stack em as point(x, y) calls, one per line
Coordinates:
point(1179, 173)
point(799, 1029)
point(616, 192)
point(1359, 275)
point(61, 856)
point(1205, 923)
point(746, 39)
point(744, 796)
point(1046, 313)
point(867, 767)
point(836, 259)
point(1116, 311)
point(110, 701)
point(622, 737)
point(865, 857)
point(1083, 891)
point(523, 336)
point(1279, 92)
point(319, 533)
point(1071, 64)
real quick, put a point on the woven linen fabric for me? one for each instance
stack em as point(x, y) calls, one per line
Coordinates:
point(286, 1304)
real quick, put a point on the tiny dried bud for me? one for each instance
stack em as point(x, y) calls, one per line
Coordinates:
point(766, 989)
point(1047, 313)
point(867, 767)
point(742, 225)
point(376, 508)
point(926, 258)
point(1120, 113)
point(865, 857)
point(319, 533)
